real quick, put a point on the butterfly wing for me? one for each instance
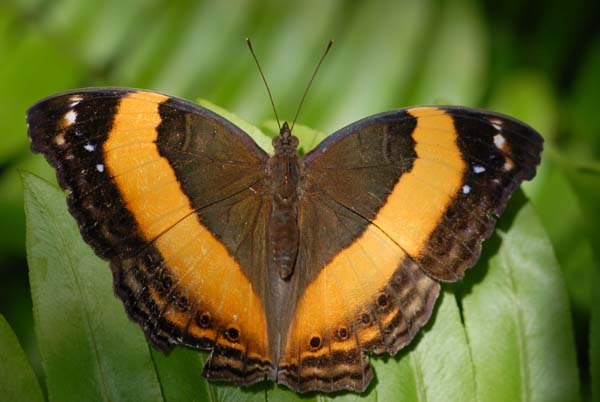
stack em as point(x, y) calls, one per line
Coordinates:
point(160, 187)
point(390, 205)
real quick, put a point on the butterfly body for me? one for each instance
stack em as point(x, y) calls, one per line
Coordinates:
point(287, 268)
point(284, 169)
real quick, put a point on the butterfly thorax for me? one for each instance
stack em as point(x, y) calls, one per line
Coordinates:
point(283, 221)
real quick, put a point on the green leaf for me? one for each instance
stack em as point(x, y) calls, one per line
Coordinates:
point(17, 379)
point(179, 375)
point(90, 350)
point(553, 196)
point(516, 314)
point(585, 179)
point(12, 215)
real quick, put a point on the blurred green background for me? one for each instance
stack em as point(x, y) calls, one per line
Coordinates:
point(537, 61)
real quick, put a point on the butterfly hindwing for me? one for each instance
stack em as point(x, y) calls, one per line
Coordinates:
point(392, 203)
point(156, 185)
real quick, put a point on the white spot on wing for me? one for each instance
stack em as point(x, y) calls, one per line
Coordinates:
point(499, 141)
point(70, 117)
point(497, 123)
point(508, 164)
point(75, 99)
point(466, 189)
point(478, 169)
point(100, 167)
point(89, 147)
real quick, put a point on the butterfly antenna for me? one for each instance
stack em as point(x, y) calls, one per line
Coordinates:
point(264, 80)
point(311, 80)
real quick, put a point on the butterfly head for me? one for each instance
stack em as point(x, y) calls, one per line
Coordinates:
point(285, 139)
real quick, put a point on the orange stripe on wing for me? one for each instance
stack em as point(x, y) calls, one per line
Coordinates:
point(422, 196)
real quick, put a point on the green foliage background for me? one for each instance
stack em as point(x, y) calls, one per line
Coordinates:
point(538, 61)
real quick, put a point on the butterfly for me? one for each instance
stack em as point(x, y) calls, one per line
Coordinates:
point(287, 268)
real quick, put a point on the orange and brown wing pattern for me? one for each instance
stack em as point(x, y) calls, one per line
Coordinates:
point(468, 164)
point(157, 185)
point(389, 205)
